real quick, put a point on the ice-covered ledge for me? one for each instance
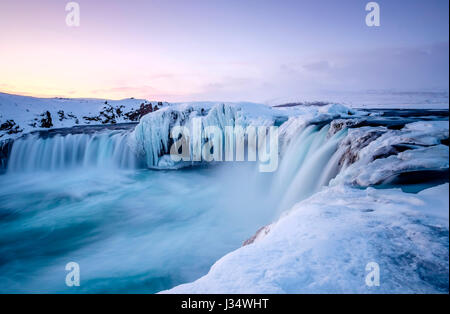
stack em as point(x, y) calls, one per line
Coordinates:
point(405, 234)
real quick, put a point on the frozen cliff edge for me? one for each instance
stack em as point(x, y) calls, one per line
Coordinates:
point(377, 155)
point(406, 234)
point(151, 138)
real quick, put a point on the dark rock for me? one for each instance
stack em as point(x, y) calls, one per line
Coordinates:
point(46, 121)
point(7, 125)
point(61, 115)
point(5, 149)
point(261, 231)
point(339, 124)
point(91, 118)
point(144, 109)
point(107, 115)
point(119, 111)
point(350, 155)
point(10, 127)
point(435, 177)
point(295, 104)
point(392, 150)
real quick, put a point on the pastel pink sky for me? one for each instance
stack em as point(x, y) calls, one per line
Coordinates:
point(179, 50)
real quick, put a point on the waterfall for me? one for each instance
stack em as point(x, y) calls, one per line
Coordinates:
point(315, 152)
point(309, 162)
point(152, 134)
point(337, 153)
point(69, 151)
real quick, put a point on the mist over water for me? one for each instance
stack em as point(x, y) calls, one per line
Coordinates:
point(129, 230)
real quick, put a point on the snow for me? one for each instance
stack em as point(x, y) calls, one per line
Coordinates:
point(25, 111)
point(380, 159)
point(406, 234)
point(300, 117)
point(428, 158)
point(398, 99)
point(430, 127)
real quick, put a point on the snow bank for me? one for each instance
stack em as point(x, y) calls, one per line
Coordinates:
point(21, 114)
point(325, 242)
point(374, 154)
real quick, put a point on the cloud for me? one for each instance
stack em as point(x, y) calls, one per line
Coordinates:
point(410, 68)
point(319, 66)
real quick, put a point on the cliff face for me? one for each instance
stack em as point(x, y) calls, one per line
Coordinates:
point(5, 149)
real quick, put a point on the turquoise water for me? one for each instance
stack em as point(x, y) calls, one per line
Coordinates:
point(129, 230)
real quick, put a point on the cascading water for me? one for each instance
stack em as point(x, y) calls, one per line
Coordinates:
point(63, 152)
point(310, 162)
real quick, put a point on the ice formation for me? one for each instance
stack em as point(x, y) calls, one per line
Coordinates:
point(152, 135)
point(325, 242)
point(373, 155)
point(152, 138)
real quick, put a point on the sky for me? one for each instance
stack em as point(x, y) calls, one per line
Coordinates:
point(230, 50)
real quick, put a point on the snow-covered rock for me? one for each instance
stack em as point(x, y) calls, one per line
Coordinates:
point(325, 242)
point(300, 117)
point(22, 114)
point(374, 154)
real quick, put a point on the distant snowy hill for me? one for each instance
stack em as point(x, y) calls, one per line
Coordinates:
point(23, 114)
point(393, 99)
